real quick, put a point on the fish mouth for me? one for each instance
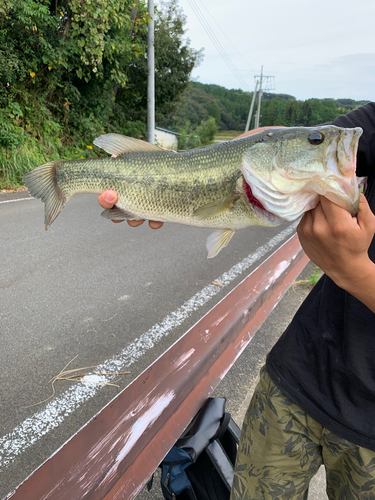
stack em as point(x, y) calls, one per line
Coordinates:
point(341, 183)
point(347, 150)
point(342, 191)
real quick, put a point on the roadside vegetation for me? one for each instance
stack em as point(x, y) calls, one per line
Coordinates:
point(71, 70)
point(312, 279)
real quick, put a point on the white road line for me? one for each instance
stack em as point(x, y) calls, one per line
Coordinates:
point(41, 423)
point(20, 199)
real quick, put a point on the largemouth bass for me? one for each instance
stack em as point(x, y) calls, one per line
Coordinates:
point(259, 180)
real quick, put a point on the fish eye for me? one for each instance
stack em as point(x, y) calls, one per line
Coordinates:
point(315, 138)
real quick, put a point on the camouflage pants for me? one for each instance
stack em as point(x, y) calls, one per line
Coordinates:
point(282, 448)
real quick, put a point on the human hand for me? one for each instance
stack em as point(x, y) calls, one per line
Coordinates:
point(109, 198)
point(338, 243)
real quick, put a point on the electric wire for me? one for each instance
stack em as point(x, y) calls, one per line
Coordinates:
point(229, 40)
point(217, 44)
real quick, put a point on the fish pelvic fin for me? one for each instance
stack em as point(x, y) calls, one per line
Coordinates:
point(41, 183)
point(215, 207)
point(117, 144)
point(218, 240)
point(116, 213)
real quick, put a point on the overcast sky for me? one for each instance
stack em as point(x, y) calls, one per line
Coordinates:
point(313, 48)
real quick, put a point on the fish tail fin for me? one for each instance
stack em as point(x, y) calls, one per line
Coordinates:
point(41, 183)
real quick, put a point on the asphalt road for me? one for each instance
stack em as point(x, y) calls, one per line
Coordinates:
point(96, 293)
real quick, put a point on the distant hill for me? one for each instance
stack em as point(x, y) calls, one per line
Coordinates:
point(230, 108)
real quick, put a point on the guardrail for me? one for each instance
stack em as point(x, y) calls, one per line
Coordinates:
point(115, 453)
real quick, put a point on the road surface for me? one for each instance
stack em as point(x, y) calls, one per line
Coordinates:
point(94, 293)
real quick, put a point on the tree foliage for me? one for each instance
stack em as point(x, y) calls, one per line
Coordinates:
point(61, 63)
point(194, 137)
point(72, 69)
point(230, 108)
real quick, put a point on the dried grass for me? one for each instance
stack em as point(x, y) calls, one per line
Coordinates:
point(70, 375)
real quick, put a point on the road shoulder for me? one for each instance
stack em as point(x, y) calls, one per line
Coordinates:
point(239, 383)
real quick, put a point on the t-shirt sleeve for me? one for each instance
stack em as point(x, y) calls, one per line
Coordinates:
point(363, 117)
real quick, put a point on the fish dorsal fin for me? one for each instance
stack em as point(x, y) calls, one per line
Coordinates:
point(117, 144)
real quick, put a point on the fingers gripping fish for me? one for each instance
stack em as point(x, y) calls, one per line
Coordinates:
point(260, 180)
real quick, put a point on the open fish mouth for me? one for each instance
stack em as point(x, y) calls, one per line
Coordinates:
point(342, 186)
point(287, 190)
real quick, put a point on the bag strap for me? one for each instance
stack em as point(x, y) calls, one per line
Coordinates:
point(221, 462)
point(223, 427)
point(234, 430)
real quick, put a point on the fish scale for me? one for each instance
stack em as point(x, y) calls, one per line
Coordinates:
point(263, 179)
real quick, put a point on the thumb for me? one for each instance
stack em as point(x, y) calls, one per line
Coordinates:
point(107, 199)
point(110, 197)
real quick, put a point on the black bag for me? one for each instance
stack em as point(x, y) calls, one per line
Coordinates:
point(200, 465)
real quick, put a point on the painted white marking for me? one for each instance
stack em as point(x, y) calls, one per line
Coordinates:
point(41, 423)
point(19, 199)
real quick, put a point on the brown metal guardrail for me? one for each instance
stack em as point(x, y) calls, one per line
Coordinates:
point(115, 453)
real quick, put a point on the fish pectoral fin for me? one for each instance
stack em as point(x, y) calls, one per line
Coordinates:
point(117, 144)
point(117, 213)
point(215, 207)
point(218, 240)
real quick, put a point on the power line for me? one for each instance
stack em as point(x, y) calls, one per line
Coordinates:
point(229, 40)
point(217, 44)
point(214, 39)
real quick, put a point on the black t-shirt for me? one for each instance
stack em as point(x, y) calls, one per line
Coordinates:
point(325, 360)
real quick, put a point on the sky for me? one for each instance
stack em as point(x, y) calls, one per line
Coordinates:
point(313, 48)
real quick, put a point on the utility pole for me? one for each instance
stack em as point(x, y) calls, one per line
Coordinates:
point(259, 99)
point(151, 76)
point(265, 83)
point(251, 107)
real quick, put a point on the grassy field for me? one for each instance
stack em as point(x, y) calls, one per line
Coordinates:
point(227, 135)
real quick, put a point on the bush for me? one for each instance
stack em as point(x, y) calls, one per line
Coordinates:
point(203, 135)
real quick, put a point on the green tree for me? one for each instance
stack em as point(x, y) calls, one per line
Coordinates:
point(57, 56)
point(174, 62)
point(203, 135)
point(201, 100)
point(71, 69)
